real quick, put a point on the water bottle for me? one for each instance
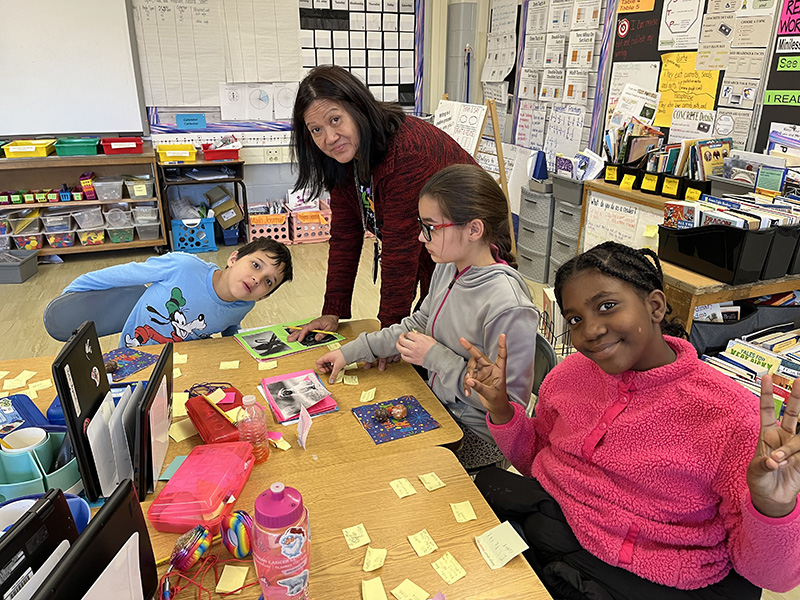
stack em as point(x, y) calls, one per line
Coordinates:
point(252, 423)
point(281, 543)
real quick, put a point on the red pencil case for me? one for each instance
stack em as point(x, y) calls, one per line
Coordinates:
point(212, 426)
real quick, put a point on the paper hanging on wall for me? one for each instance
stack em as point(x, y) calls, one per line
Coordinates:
point(735, 124)
point(632, 6)
point(642, 74)
point(681, 86)
point(680, 25)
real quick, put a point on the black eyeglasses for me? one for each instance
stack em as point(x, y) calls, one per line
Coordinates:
point(427, 230)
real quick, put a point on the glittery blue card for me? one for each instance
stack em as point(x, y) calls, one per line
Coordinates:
point(416, 421)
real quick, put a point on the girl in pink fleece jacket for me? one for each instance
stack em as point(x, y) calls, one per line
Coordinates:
point(653, 475)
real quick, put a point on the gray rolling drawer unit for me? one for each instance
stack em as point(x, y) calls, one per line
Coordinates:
point(535, 229)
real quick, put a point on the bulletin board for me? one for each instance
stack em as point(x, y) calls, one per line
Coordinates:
point(782, 94)
point(705, 57)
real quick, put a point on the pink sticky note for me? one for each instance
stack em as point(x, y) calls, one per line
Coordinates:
point(274, 435)
point(228, 399)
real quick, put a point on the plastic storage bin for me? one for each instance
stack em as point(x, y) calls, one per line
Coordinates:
point(193, 235)
point(310, 226)
point(29, 241)
point(201, 490)
point(567, 189)
point(60, 240)
point(148, 232)
point(120, 235)
point(17, 272)
point(727, 254)
point(108, 188)
point(122, 145)
point(271, 226)
point(176, 153)
point(29, 148)
point(77, 146)
point(145, 215)
point(721, 186)
point(220, 153)
point(781, 252)
point(5, 197)
point(116, 217)
point(89, 218)
point(5, 226)
point(57, 223)
point(91, 237)
point(139, 187)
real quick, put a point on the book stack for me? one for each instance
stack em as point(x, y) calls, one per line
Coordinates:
point(287, 393)
point(751, 211)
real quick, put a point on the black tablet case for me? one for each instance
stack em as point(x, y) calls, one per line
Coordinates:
point(73, 368)
point(119, 518)
point(26, 546)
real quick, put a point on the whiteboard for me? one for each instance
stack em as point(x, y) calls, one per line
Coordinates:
point(68, 67)
point(617, 220)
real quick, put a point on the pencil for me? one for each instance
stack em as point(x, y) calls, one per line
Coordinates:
point(313, 330)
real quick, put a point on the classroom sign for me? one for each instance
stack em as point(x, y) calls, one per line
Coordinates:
point(683, 87)
point(790, 18)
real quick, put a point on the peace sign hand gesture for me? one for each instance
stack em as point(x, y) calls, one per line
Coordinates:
point(773, 476)
point(489, 380)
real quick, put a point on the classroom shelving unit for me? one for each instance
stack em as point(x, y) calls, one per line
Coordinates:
point(52, 171)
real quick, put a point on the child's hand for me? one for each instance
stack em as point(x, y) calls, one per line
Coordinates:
point(773, 475)
point(489, 380)
point(332, 363)
point(413, 346)
point(323, 323)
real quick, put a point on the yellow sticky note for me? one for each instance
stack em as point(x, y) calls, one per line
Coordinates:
point(179, 400)
point(31, 393)
point(368, 396)
point(283, 444)
point(232, 579)
point(217, 395)
point(408, 590)
point(25, 376)
point(339, 377)
point(13, 384)
point(463, 511)
point(693, 194)
point(350, 380)
point(402, 487)
point(181, 430)
point(431, 481)
point(374, 558)
point(267, 365)
point(228, 364)
point(334, 346)
point(670, 186)
point(3, 374)
point(448, 568)
point(611, 173)
point(650, 231)
point(350, 366)
point(179, 359)
point(232, 414)
point(500, 544)
point(41, 385)
point(372, 589)
point(627, 182)
point(422, 543)
point(176, 372)
point(356, 536)
point(681, 86)
point(650, 182)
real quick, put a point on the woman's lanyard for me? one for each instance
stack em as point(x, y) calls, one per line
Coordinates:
point(366, 196)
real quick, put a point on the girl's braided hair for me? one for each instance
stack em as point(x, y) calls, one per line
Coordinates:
point(638, 267)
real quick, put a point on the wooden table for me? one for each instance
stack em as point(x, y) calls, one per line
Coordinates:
point(346, 494)
point(686, 290)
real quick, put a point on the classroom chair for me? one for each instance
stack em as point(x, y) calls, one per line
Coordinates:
point(109, 309)
point(545, 360)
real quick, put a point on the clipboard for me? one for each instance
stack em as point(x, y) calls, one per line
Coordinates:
point(34, 545)
point(115, 523)
point(153, 416)
point(80, 379)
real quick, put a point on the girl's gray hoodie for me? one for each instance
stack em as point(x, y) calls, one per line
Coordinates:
point(478, 304)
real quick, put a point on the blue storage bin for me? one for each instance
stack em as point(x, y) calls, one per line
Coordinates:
point(229, 236)
point(19, 476)
point(193, 235)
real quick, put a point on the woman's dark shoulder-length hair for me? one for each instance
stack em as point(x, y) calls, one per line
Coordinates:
point(377, 122)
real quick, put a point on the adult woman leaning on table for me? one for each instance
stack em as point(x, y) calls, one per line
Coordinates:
point(374, 160)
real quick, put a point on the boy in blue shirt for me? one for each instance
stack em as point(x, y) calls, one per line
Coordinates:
point(189, 298)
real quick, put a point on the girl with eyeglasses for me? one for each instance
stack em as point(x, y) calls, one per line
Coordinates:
point(475, 290)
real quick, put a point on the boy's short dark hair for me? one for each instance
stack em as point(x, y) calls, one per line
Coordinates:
point(275, 250)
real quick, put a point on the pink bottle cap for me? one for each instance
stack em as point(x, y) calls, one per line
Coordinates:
point(279, 506)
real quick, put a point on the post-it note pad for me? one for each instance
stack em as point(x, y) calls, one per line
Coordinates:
point(402, 487)
point(232, 579)
point(463, 511)
point(356, 536)
point(408, 590)
point(372, 589)
point(41, 385)
point(179, 404)
point(351, 366)
point(218, 395)
point(431, 481)
point(368, 396)
point(334, 346)
point(448, 568)
point(500, 544)
point(423, 543)
point(229, 364)
point(374, 558)
point(267, 365)
point(339, 377)
point(181, 430)
point(176, 372)
point(351, 380)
